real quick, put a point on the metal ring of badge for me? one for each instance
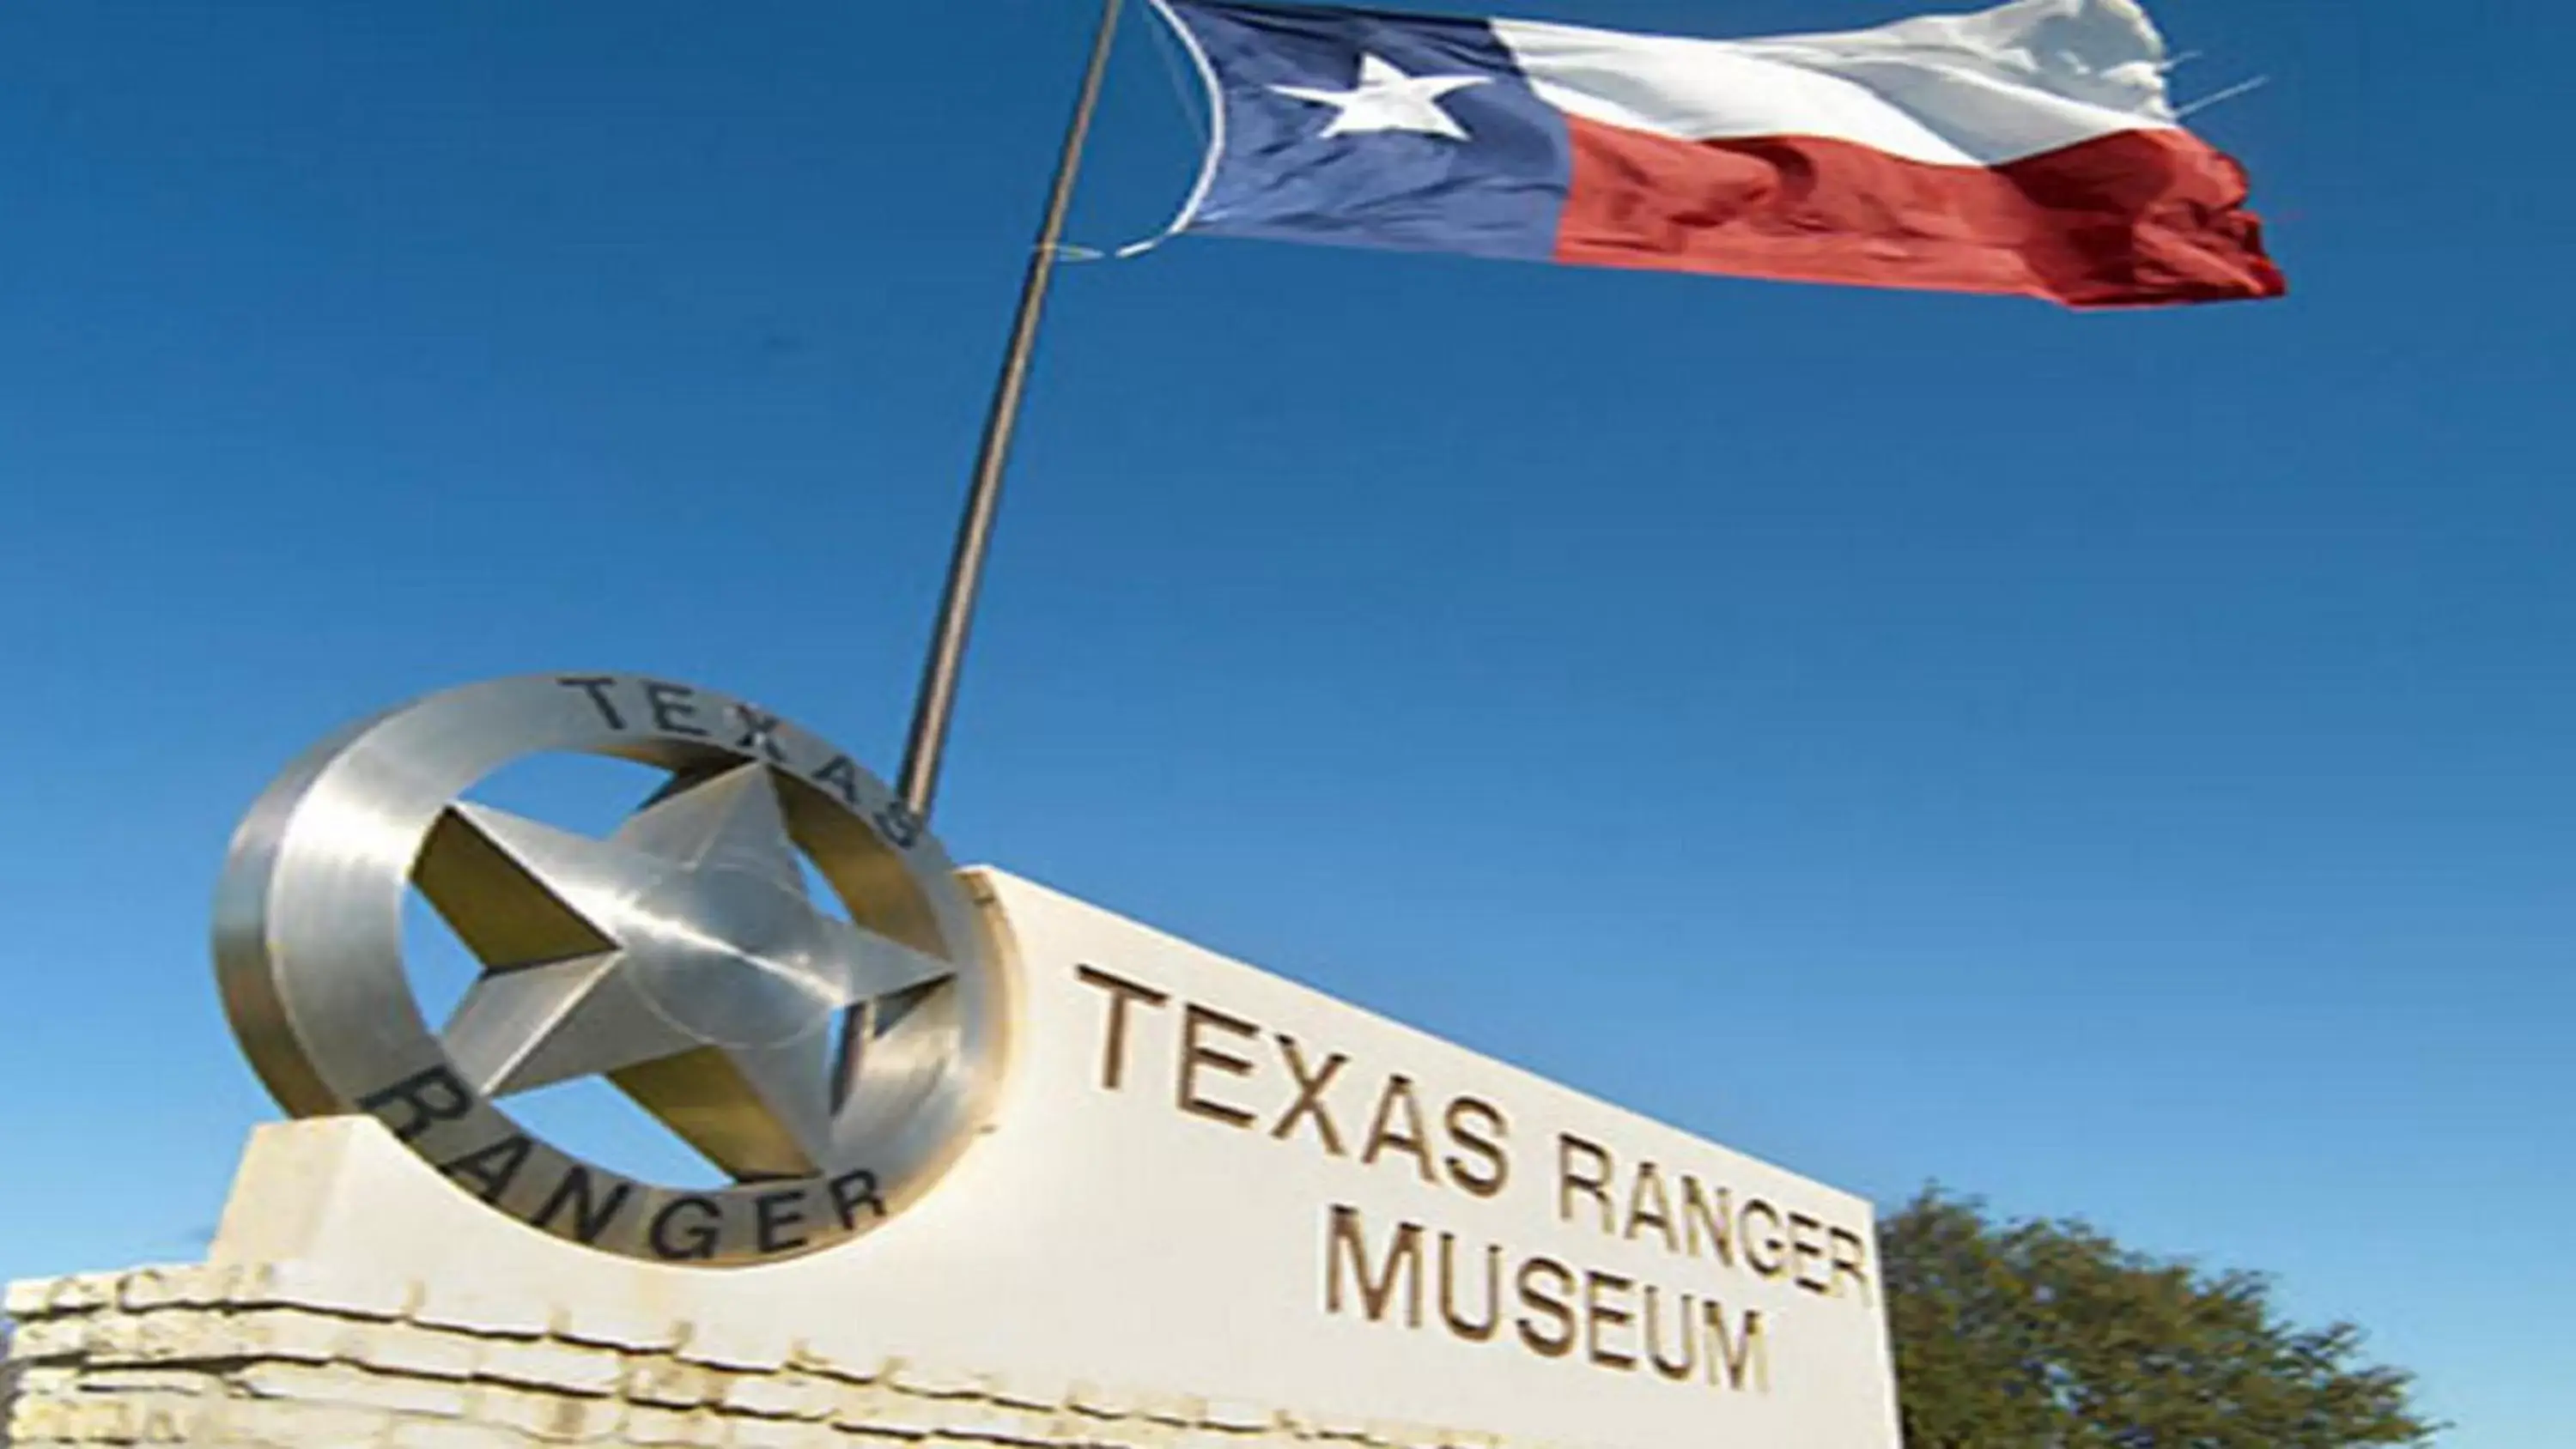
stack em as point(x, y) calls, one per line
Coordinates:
point(833, 1066)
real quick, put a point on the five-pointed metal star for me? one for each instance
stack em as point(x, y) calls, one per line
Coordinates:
point(681, 957)
point(1389, 100)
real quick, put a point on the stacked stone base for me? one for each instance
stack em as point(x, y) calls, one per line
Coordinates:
point(260, 1357)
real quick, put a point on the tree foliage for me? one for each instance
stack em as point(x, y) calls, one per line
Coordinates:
point(2049, 1335)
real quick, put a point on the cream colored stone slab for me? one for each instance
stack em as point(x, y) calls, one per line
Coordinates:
point(417, 1352)
point(783, 1395)
point(1238, 1415)
point(293, 1425)
point(1155, 1214)
point(278, 1333)
point(551, 1418)
point(672, 1426)
point(28, 1298)
point(440, 1434)
point(463, 1308)
point(44, 1340)
point(557, 1368)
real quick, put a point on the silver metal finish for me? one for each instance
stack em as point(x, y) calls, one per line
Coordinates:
point(832, 1066)
point(937, 700)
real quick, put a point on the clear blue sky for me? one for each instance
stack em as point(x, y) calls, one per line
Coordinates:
point(2121, 765)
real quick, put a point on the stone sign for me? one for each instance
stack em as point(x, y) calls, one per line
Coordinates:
point(1000, 1158)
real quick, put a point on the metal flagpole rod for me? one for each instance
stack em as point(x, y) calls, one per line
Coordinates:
point(937, 701)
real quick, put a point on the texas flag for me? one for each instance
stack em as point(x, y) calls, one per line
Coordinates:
point(2029, 149)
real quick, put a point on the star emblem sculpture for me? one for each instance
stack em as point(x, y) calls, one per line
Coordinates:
point(1387, 99)
point(833, 1048)
point(682, 958)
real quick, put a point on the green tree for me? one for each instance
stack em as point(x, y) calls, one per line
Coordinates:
point(2049, 1335)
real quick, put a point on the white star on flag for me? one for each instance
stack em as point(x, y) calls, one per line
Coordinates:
point(1389, 100)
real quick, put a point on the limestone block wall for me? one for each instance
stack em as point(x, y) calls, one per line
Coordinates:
point(259, 1355)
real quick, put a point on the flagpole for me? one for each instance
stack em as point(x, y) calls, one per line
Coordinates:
point(937, 700)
